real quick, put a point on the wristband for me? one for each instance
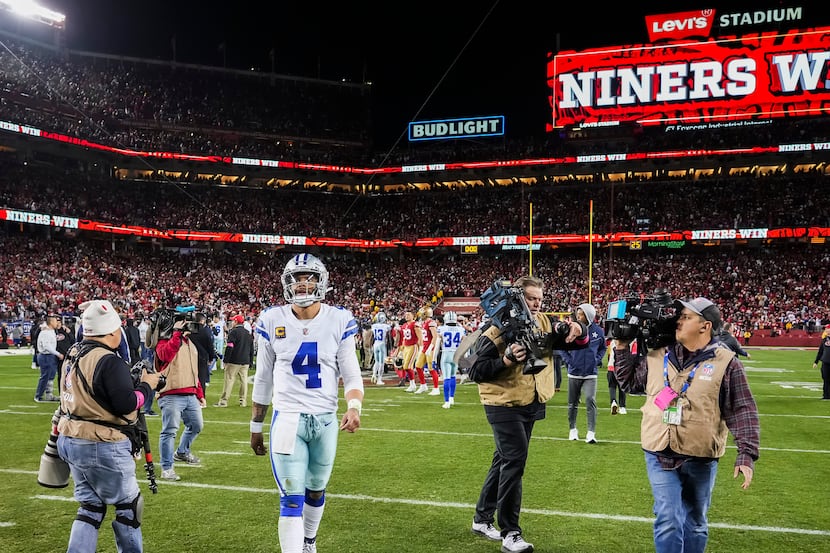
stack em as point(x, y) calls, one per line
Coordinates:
point(355, 404)
point(256, 427)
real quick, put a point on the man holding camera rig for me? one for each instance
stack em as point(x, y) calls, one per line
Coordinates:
point(99, 406)
point(696, 392)
point(513, 386)
point(183, 397)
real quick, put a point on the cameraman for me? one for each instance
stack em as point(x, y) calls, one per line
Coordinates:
point(513, 402)
point(181, 399)
point(696, 392)
point(99, 405)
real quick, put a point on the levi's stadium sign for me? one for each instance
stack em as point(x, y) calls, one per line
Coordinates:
point(761, 76)
point(675, 26)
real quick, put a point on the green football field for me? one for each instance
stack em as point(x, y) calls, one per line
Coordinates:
point(409, 478)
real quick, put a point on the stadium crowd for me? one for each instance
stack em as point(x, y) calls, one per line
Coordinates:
point(151, 105)
point(759, 289)
point(163, 106)
point(775, 200)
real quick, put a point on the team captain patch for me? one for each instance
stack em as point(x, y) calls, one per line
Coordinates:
point(279, 332)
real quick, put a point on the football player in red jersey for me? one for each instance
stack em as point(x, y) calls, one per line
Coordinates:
point(409, 342)
point(428, 336)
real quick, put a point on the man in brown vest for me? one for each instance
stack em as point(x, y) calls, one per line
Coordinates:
point(696, 393)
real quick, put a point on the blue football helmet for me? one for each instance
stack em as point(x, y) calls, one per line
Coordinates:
point(301, 292)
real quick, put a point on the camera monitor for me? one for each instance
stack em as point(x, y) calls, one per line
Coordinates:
point(616, 310)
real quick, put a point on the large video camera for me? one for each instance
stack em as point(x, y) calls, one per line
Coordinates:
point(650, 320)
point(164, 319)
point(507, 308)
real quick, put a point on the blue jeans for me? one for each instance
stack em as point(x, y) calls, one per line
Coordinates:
point(681, 501)
point(48, 364)
point(174, 410)
point(104, 474)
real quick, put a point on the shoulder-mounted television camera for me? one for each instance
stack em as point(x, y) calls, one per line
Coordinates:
point(651, 320)
point(163, 320)
point(507, 308)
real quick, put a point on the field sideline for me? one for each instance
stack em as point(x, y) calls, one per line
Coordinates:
point(408, 480)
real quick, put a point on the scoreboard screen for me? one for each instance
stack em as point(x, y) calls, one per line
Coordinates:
point(761, 76)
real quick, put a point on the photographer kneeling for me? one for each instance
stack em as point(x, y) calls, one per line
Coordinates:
point(514, 393)
point(696, 392)
point(99, 409)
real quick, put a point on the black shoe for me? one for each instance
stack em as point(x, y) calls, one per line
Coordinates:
point(150, 413)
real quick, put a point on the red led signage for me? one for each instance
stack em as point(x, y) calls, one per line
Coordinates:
point(752, 77)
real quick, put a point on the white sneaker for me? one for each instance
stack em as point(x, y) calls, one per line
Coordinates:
point(623, 411)
point(421, 389)
point(452, 401)
point(573, 435)
point(515, 543)
point(590, 438)
point(170, 474)
point(446, 405)
point(486, 530)
point(411, 387)
point(614, 408)
point(380, 383)
point(434, 392)
point(310, 546)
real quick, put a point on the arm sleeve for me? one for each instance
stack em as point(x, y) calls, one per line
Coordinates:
point(112, 382)
point(631, 370)
point(348, 366)
point(741, 414)
point(166, 349)
point(264, 376)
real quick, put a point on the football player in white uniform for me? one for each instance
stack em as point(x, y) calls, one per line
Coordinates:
point(450, 335)
point(305, 348)
point(380, 334)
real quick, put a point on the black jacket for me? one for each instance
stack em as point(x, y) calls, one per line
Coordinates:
point(240, 347)
point(203, 340)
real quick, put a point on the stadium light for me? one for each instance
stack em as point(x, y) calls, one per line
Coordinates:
point(30, 9)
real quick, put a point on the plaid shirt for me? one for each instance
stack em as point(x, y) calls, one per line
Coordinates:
point(736, 402)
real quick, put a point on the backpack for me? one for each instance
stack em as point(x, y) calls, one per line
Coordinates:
point(465, 353)
point(465, 356)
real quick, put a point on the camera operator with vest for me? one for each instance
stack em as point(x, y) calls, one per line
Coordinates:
point(696, 393)
point(513, 386)
point(182, 398)
point(99, 410)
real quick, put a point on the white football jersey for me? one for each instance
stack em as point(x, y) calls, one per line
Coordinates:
point(300, 362)
point(380, 331)
point(451, 336)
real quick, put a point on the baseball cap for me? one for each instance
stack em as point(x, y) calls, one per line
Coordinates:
point(238, 319)
point(706, 309)
point(99, 317)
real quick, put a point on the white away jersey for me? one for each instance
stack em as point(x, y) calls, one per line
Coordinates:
point(300, 363)
point(380, 331)
point(451, 336)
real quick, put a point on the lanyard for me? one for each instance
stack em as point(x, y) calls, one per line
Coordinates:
point(688, 379)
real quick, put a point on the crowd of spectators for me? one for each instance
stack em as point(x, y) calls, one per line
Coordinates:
point(162, 106)
point(738, 201)
point(150, 105)
point(762, 288)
